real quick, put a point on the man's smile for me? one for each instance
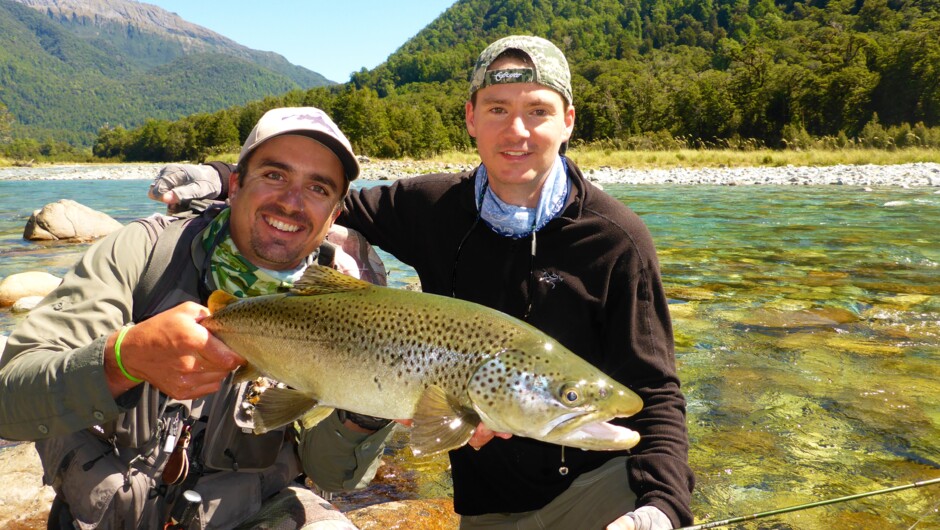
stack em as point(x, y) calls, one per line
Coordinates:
point(281, 225)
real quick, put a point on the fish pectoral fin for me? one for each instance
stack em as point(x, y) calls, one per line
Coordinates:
point(315, 416)
point(279, 406)
point(440, 423)
point(220, 299)
point(318, 279)
point(246, 372)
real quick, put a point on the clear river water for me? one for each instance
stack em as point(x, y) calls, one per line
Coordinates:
point(807, 326)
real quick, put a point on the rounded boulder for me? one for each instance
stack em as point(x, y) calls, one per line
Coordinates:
point(66, 219)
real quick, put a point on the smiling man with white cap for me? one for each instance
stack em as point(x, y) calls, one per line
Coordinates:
point(128, 397)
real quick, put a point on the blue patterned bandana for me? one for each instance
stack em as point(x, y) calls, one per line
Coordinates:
point(518, 221)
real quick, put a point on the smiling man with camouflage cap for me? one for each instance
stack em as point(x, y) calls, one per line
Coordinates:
point(526, 234)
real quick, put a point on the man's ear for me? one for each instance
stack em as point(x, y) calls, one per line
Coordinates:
point(468, 117)
point(232, 185)
point(569, 121)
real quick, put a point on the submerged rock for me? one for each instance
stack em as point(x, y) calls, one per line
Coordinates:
point(24, 284)
point(26, 304)
point(418, 514)
point(68, 220)
point(24, 500)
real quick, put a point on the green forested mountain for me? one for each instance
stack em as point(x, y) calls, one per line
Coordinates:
point(706, 69)
point(65, 70)
point(646, 73)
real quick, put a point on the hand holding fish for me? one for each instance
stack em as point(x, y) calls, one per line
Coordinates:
point(173, 352)
point(623, 523)
point(482, 435)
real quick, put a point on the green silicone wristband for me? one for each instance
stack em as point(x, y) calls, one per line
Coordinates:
point(117, 355)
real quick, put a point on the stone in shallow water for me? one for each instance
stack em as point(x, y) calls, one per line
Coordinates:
point(23, 284)
point(66, 219)
point(904, 301)
point(26, 304)
point(420, 514)
point(690, 293)
point(771, 318)
point(24, 501)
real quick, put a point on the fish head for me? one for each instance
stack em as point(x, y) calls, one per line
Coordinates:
point(551, 394)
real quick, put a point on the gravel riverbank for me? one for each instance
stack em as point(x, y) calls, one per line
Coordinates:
point(902, 175)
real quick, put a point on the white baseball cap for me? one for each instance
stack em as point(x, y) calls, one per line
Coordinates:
point(306, 121)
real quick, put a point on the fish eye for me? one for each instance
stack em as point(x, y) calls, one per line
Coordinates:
point(570, 395)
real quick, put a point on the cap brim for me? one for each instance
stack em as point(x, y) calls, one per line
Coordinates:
point(350, 164)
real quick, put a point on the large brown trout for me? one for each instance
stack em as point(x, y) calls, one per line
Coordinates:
point(447, 364)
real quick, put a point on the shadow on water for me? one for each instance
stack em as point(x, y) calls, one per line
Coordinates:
point(807, 325)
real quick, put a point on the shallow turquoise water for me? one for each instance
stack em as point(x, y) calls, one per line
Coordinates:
point(807, 324)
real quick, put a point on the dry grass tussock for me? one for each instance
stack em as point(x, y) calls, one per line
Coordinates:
point(588, 157)
point(593, 157)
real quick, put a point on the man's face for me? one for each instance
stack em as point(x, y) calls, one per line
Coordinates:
point(288, 199)
point(519, 128)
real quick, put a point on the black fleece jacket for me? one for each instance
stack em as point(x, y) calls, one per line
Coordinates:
point(593, 284)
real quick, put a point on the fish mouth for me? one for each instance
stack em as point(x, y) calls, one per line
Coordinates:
point(586, 431)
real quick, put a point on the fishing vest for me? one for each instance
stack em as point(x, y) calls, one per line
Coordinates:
point(120, 474)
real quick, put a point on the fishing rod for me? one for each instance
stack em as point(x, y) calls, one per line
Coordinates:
point(743, 518)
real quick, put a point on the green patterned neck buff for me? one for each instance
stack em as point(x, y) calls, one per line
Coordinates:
point(231, 272)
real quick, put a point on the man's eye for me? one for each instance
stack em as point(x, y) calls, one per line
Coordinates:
point(273, 175)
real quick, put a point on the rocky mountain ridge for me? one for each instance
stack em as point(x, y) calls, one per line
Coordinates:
point(143, 17)
point(70, 67)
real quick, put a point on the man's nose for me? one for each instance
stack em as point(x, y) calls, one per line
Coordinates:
point(517, 126)
point(292, 199)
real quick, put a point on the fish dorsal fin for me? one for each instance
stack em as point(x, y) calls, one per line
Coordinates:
point(280, 406)
point(440, 423)
point(220, 299)
point(318, 279)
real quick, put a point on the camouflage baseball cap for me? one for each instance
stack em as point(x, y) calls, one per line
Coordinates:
point(551, 67)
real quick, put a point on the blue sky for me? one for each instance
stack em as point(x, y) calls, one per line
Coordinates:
point(332, 37)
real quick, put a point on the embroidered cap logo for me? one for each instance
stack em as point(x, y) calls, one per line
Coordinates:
point(514, 75)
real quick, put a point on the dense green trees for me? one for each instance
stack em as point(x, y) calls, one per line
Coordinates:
point(647, 73)
point(6, 125)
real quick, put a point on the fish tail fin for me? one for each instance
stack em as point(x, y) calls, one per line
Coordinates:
point(280, 406)
point(219, 299)
point(440, 423)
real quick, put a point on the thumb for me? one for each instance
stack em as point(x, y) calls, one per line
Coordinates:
point(219, 354)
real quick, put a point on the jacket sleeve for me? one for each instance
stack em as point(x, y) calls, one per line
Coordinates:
point(188, 181)
point(52, 379)
point(398, 218)
point(639, 316)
